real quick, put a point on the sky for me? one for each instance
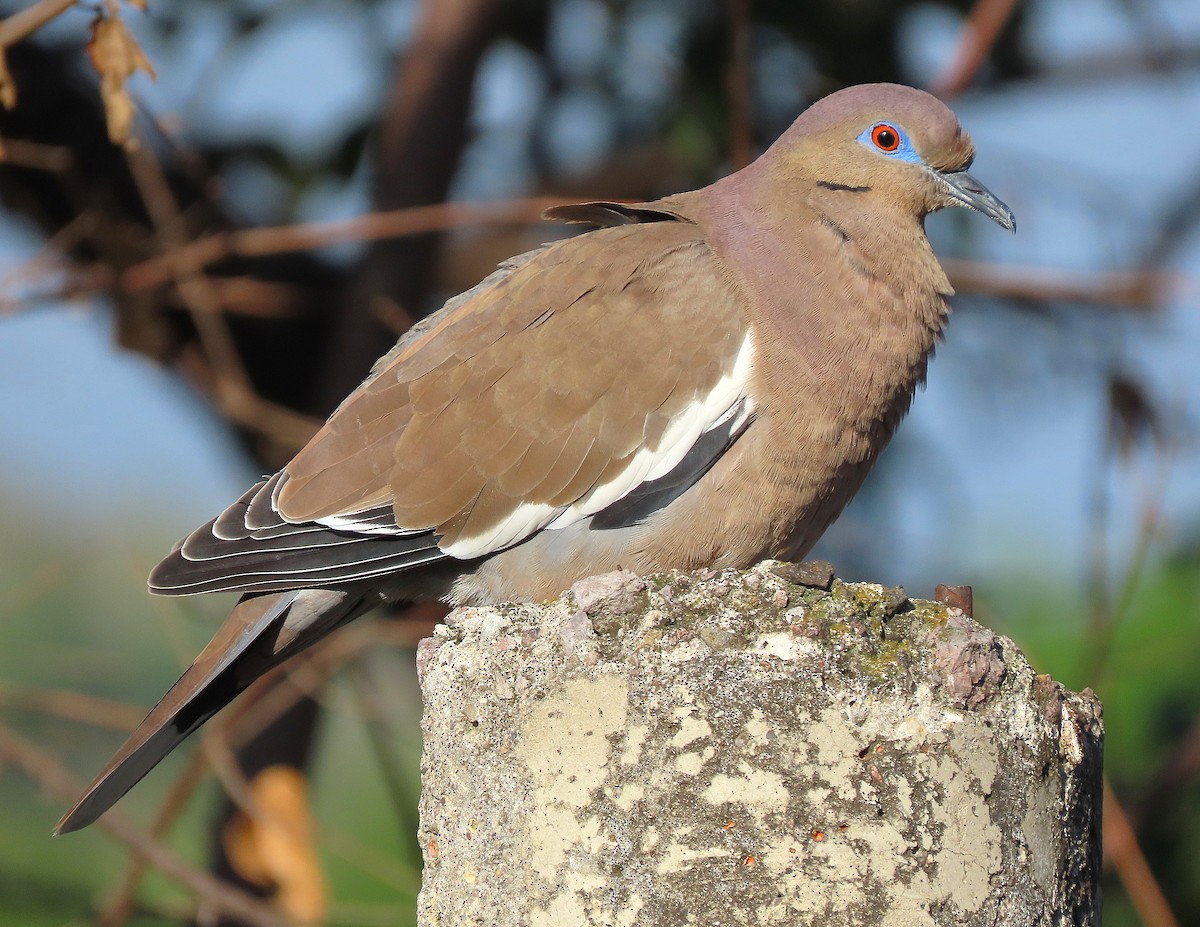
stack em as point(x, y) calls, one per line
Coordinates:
point(92, 437)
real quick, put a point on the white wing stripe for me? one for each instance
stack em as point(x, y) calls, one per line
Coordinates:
point(702, 415)
point(526, 519)
point(728, 398)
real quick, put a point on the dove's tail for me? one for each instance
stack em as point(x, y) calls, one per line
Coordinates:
point(262, 631)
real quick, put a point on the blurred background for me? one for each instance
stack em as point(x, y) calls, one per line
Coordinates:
point(195, 269)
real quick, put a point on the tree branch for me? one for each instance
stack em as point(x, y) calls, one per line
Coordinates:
point(29, 20)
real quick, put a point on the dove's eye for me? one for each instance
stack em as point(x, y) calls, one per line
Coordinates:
point(885, 137)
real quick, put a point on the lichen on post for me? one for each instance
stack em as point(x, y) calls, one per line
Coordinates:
point(750, 748)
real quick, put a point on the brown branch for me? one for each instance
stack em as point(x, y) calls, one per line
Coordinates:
point(980, 32)
point(241, 296)
point(1182, 765)
point(266, 299)
point(279, 423)
point(1135, 289)
point(233, 392)
point(1122, 852)
point(51, 255)
point(379, 865)
point(72, 706)
point(306, 675)
point(281, 239)
point(1108, 613)
point(36, 156)
point(368, 914)
point(171, 232)
point(120, 905)
point(46, 771)
point(223, 764)
point(29, 20)
point(737, 83)
point(81, 284)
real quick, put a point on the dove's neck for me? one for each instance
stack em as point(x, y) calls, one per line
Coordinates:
point(846, 288)
point(845, 307)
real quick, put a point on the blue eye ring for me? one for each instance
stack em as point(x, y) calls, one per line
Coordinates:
point(891, 141)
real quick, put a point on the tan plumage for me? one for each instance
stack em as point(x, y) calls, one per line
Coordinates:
point(454, 441)
point(704, 380)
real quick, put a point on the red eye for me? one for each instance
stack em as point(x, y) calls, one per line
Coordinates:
point(885, 137)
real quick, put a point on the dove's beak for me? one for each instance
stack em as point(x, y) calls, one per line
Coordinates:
point(965, 190)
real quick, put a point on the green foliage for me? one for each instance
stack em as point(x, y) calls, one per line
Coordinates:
point(76, 619)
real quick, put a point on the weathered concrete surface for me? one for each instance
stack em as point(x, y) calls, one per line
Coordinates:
point(734, 748)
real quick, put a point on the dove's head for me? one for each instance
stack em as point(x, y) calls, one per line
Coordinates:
point(903, 146)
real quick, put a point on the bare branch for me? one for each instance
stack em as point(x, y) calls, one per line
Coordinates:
point(281, 239)
point(73, 706)
point(36, 156)
point(46, 771)
point(737, 85)
point(1135, 289)
point(982, 28)
point(120, 906)
point(233, 391)
point(30, 19)
point(1122, 852)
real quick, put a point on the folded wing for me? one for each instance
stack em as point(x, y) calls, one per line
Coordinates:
point(611, 366)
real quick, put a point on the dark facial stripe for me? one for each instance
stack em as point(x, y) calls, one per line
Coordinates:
point(830, 185)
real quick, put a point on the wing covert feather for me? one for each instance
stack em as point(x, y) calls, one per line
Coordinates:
point(522, 397)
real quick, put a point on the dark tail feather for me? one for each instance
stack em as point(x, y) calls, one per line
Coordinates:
point(260, 633)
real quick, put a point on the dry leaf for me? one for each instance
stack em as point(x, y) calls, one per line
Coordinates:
point(274, 847)
point(116, 56)
point(8, 87)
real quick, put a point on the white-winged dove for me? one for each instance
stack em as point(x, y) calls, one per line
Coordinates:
point(699, 381)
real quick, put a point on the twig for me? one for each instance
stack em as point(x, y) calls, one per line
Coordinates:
point(980, 32)
point(82, 284)
point(52, 251)
point(367, 914)
point(382, 736)
point(281, 239)
point(120, 905)
point(234, 393)
point(51, 260)
point(46, 771)
point(306, 675)
point(1122, 852)
point(249, 296)
point(21, 152)
point(224, 765)
point(379, 865)
point(1135, 289)
point(737, 80)
point(30, 19)
point(1182, 765)
point(197, 295)
point(241, 296)
point(72, 706)
point(1109, 613)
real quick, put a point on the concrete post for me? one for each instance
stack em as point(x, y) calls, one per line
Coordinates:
point(747, 748)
